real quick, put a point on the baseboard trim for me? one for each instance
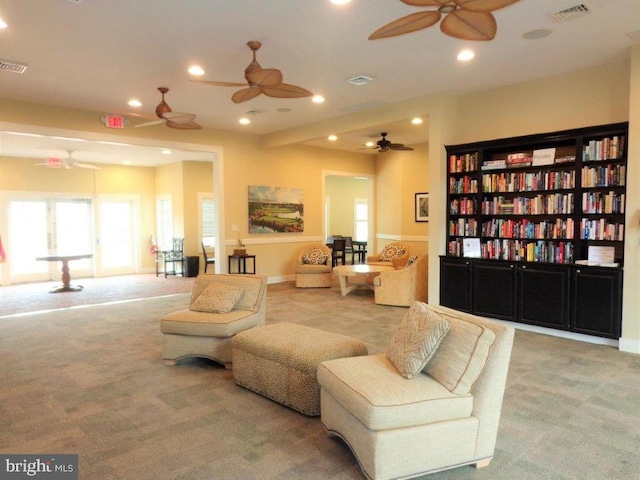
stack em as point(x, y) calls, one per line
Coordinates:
point(629, 346)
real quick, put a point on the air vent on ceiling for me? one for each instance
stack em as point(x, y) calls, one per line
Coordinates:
point(571, 13)
point(14, 67)
point(360, 80)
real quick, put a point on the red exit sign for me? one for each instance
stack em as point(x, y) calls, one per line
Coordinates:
point(113, 121)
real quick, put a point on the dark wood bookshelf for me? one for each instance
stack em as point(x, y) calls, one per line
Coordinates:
point(536, 204)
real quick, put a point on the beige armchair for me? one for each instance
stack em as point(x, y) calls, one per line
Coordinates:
point(446, 416)
point(221, 306)
point(403, 286)
point(313, 266)
point(394, 254)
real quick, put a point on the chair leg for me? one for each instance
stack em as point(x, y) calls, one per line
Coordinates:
point(483, 463)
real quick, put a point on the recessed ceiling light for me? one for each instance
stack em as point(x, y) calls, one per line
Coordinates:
point(317, 99)
point(369, 144)
point(340, 2)
point(196, 70)
point(135, 103)
point(166, 151)
point(244, 121)
point(3, 24)
point(126, 162)
point(537, 34)
point(466, 55)
point(332, 138)
point(416, 121)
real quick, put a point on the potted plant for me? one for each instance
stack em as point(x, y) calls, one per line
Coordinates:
point(240, 249)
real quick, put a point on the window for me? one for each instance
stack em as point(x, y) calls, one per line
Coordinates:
point(361, 209)
point(165, 223)
point(207, 220)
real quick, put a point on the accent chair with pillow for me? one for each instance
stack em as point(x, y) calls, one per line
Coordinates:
point(403, 286)
point(313, 266)
point(431, 403)
point(394, 254)
point(221, 306)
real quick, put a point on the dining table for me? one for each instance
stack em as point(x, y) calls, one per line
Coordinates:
point(66, 274)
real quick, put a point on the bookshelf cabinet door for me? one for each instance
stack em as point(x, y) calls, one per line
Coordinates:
point(544, 296)
point(597, 302)
point(494, 290)
point(455, 284)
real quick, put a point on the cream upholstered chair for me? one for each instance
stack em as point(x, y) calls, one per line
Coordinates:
point(394, 254)
point(403, 286)
point(221, 306)
point(313, 266)
point(446, 416)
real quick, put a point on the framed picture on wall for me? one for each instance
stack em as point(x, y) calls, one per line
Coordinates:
point(422, 207)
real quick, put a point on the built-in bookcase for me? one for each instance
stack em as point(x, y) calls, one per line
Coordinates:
point(527, 210)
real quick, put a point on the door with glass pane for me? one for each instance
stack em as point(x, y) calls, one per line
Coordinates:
point(45, 227)
point(117, 237)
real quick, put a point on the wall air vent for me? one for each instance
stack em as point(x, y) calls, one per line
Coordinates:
point(360, 80)
point(571, 13)
point(15, 67)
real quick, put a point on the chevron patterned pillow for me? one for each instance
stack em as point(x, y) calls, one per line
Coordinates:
point(416, 339)
point(216, 298)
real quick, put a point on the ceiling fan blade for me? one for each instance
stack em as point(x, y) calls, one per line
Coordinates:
point(408, 24)
point(267, 77)
point(396, 146)
point(426, 3)
point(219, 84)
point(148, 124)
point(483, 5)
point(86, 165)
point(190, 125)
point(468, 25)
point(285, 90)
point(179, 117)
point(246, 94)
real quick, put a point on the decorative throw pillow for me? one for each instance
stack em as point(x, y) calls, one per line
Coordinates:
point(416, 339)
point(390, 252)
point(412, 260)
point(216, 298)
point(315, 256)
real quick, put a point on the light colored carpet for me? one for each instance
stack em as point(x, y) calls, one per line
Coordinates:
point(91, 381)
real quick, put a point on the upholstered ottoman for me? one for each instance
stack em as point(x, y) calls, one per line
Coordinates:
point(280, 362)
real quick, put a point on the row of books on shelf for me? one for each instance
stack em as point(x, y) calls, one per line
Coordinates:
point(528, 181)
point(601, 202)
point(604, 176)
point(608, 148)
point(463, 227)
point(601, 229)
point(462, 206)
point(544, 156)
point(513, 250)
point(554, 204)
point(465, 184)
point(526, 229)
point(467, 162)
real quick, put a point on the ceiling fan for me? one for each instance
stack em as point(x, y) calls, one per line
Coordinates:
point(178, 120)
point(384, 145)
point(260, 80)
point(465, 19)
point(67, 163)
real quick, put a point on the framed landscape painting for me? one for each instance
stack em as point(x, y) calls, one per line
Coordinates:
point(275, 209)
point(422, 207)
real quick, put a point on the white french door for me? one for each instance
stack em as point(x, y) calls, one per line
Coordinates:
point(117, 236)
point(44, 227)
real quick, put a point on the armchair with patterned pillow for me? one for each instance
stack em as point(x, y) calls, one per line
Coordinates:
point(313, 266)
point(394, 254)
point(403, 286)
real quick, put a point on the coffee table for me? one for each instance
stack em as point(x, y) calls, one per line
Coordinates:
point(354, 276)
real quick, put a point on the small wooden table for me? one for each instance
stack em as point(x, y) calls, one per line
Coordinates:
point(242, 263)
point(354, 276)
point(66, 276)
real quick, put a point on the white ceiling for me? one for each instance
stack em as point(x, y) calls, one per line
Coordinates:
point(96, 55)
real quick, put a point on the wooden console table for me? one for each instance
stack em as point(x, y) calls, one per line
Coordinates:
point(242, 263)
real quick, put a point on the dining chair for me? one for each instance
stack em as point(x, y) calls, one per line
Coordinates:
point(338, 252)
point(175, 256)
point(348, 249)
point(207, 260)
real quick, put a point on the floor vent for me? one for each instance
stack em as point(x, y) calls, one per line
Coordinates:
point(571, 13)
point(7, 66)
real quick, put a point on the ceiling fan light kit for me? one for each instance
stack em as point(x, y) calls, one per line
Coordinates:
point(464, 19)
